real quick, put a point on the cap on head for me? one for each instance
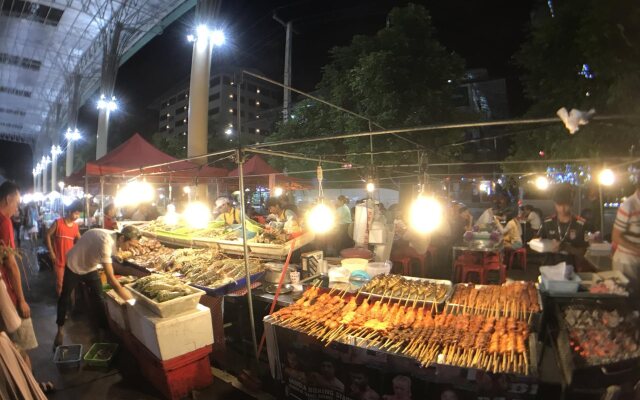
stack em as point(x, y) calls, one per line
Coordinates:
point(563, 194)
point(221, 201)
point(130, 232)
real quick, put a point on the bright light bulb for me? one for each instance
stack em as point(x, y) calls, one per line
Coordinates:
point(197, 215)
point(61, 185)
point(542, 183)
point(320, 219)
point(277, 192)
point(134, 193)
point(217, 37)
point(171, 217)
point(187, 189)
point(606, 177)
point(425, 214)
point(371, 187)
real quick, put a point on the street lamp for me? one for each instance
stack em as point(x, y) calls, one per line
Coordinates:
point(72, 135)
point(203, 33)
point(55, 152)
point(109, 105)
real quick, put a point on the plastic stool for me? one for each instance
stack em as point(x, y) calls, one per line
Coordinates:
point(472, 268)
point(405, 262)
point(502, 272)
point(521, 254)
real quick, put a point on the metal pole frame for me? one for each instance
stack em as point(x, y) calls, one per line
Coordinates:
point(102, 201)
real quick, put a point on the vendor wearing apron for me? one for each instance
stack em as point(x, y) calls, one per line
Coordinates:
point(279, 215)
point(227, 212)
point(566, 230)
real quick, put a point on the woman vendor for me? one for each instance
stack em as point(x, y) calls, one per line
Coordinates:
point(227, 212)
point(279, 213)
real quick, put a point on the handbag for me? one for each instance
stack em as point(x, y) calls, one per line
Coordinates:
point(10, 320)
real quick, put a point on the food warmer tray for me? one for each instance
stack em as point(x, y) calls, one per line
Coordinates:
point(230, 287)
point(576, 371)
point(419, 301)
point(349, 340)
point(260, 250)
point(536, 318)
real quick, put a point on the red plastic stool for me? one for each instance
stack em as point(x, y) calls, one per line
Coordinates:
point(465, 269)
point(521, 254)
point(502, 272)
point(405, 262)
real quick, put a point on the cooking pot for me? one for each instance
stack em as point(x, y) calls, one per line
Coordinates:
point(273, 272)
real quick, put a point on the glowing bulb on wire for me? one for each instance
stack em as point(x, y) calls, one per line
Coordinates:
point(425, 214)
point(197, 215)
point(320, 219)
point(606, 177)
point(542, 183)
point(371, 187)
point(277, 192)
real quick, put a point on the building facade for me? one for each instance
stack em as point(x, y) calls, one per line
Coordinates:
point(257, 100)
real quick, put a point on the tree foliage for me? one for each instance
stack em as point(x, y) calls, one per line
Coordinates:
point(399, 77)
point(604, 36)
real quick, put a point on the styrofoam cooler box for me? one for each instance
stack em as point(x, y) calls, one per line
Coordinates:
point(174, 336)
point(116, 309)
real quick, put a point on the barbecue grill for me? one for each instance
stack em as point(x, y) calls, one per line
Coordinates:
point(584, 369)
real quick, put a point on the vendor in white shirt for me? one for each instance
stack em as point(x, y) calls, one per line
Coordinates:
point(93, 248)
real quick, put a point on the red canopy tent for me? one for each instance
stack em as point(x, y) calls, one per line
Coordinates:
point(256, 170)
point(138, 156)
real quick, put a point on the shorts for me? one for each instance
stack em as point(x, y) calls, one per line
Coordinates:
point(24, 337)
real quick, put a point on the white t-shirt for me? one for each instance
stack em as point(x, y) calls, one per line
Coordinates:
point(628, 222)
point(93, 248)
point(534, 220)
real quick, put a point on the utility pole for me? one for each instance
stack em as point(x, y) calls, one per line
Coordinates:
point(286, 102)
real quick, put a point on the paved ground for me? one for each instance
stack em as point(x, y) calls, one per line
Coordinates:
point(122, 381)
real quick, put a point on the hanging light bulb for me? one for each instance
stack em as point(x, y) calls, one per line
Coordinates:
point(171, 217)
point(277, 192)
point(425, 214)
point(606, 177)
point(197, 215)
point(321, 218)
point(371, 186)
point(542, 183)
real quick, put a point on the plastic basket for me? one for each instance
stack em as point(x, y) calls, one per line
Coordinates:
point(68, 357)
point(94, 357)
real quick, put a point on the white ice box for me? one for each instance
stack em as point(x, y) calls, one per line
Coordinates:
point(116, 309)
point(174, 336)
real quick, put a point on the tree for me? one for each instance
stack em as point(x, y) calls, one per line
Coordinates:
point(584, 56)
point(399, 77)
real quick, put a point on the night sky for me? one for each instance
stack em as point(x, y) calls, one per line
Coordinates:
point(485, 33)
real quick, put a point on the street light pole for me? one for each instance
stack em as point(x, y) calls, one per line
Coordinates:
point(286, 102)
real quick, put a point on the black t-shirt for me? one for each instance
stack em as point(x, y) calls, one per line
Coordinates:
point(571, 232)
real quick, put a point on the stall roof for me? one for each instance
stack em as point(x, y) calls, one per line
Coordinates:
point(136, 154)
point(256, 165)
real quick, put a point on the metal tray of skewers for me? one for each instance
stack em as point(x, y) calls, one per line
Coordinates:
point(597, 342)
point(497, 344)
point(398, 287)
point(532, 312)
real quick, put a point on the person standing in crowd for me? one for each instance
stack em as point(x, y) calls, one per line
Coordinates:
point(227, 212)
point(24, 337)
point(110, 222)
point(31, 223)
point(60, 239)
point(626, 237)
point(565, 229)
point(500, 211)
point(95, 247)
point(343, 220)
point(531, 216)
point(16, 219)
